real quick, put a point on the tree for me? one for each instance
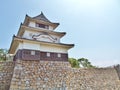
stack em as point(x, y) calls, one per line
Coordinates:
point(3, 54)
point(74, 63)
point(82, 62)
point(85, 63)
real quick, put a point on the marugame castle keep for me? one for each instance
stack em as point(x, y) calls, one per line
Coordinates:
point(41, 62)
point(37, 40)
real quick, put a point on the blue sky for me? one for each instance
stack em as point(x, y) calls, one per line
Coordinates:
point(92, 25)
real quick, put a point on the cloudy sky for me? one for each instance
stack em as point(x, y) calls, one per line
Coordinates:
point(92, 25)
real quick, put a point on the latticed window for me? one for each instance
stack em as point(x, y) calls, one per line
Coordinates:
point(42, 26)
point(26, 52)
point(37, 53)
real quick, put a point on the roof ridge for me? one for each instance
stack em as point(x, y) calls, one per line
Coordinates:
point(41, 17)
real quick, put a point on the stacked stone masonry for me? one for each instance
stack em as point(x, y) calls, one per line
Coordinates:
point(6, 72)
point(53, 75)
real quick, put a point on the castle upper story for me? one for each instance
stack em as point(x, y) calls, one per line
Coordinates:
point(40, 28)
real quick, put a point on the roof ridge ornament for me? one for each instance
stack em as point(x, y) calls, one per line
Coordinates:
point(42, 13)
point(42, 17)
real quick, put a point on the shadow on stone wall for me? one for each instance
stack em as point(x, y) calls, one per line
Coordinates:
point(117, 67)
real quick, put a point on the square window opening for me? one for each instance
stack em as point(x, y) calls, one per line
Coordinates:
point(48, 54)
point(32, 52)
point(59, 55)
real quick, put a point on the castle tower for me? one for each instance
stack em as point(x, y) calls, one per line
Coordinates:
point(37, 40)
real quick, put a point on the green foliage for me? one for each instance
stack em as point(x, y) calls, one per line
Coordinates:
point(74, 63)
point(3, 54)
point(85, 63)
point(82, 62)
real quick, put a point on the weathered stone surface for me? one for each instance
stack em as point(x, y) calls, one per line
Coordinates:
point(6, 71)
point(53, 75)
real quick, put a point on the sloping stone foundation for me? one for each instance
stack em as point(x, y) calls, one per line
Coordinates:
point(53, 75)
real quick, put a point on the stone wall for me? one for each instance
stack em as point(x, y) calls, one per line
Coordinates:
point(39, 75)
point(95, 79)
point(6, 72)
point(53, 75)
point(117, 68)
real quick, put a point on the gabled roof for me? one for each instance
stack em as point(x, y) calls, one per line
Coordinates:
point(41, 17)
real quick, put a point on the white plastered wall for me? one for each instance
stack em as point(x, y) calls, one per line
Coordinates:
point(31, 24)
point(41, 47)
point(26, 45)
point(31, 46)
point(28, 34)
point(50, 28)
point(50, 48)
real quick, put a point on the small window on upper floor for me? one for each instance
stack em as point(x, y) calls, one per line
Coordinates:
point(59, 55)
point(42, 26)
point(48, 54)
point(32, 52)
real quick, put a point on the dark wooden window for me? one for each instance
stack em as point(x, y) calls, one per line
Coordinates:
point(42, 26)
point(26, 52)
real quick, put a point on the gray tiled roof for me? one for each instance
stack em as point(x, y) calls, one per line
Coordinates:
point(41, 17)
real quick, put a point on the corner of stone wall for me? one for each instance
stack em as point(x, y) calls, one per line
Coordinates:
point(117, 68)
